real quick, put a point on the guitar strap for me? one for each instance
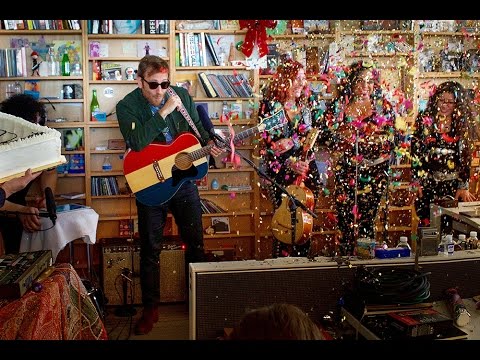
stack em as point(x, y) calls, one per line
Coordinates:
point(185, 114)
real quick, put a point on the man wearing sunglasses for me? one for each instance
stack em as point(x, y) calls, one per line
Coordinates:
point(153, 113)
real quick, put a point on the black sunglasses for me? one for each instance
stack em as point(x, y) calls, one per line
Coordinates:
point(153, 84)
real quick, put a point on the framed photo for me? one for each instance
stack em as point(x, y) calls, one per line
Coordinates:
point(316, 26)
point(229, 25)
point(221, 224)
point(111, 71)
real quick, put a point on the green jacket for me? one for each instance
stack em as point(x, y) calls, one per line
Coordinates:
point(135, 109)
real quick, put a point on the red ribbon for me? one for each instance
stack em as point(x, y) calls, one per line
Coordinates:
point(256, 34)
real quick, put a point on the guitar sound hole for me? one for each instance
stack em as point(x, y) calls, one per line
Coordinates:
point(183, 161)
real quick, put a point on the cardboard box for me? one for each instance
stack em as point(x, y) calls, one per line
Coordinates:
point(422, 322)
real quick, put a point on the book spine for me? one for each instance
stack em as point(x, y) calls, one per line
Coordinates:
point(207, 86)
point(219, 89)
point(211, 48)
point(203, 51)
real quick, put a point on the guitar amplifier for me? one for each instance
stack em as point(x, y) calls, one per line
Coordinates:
point(172, 274)
point(125, 259)
point(119, 261)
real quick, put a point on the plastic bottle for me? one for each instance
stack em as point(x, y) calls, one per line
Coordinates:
point(65, 64)
point(472, 240)
point(94, 105)
point(462, 241)
point(450, 245)
point(403, 243)
point(106, 166)
point(442, 245)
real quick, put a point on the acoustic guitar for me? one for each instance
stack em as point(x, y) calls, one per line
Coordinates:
point(156, 172)
point(296, 227)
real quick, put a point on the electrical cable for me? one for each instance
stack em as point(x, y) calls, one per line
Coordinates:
point(392, 285)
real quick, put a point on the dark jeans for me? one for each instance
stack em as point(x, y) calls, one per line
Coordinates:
point(186, 210)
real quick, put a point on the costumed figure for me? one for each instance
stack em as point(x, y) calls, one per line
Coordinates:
point(442, 146)
point(359, 131)
point(284, 158)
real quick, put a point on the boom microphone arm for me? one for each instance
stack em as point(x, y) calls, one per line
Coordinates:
point(294, 200)
point(50, 213)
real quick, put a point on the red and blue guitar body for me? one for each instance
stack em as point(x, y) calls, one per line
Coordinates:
point(153, 174)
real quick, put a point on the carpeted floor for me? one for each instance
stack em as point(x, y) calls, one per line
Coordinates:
point(172, 324)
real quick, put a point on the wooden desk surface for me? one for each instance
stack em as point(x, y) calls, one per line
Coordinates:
point(437, 211)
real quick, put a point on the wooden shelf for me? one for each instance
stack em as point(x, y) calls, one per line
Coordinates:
point(109, 205)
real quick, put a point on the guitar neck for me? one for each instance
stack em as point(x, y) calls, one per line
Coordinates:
point(200, 153)
point(245, 134)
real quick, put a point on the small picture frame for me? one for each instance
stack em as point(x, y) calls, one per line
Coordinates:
point(221, 224)
point(69, 91)
point(202, 184)
point(229, 25)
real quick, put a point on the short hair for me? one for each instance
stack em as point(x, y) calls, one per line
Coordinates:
point(25, 107)
point(151, 64)
point(278, 321)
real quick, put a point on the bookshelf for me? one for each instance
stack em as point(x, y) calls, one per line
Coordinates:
point(248, 211)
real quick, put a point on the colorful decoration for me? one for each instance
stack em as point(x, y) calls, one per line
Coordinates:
point(256, 34)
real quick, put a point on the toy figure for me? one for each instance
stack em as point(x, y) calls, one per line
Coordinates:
point(36, 63)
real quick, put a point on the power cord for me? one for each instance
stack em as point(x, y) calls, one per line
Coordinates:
point(392, 285)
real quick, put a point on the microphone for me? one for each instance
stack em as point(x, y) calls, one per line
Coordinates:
point(205, 119)
point(218, 139)
point(51, 206)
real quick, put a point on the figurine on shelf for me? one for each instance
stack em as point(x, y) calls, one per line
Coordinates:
point(36, 60)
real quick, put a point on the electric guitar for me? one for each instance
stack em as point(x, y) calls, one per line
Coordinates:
point(296, 227)
point(156, 172)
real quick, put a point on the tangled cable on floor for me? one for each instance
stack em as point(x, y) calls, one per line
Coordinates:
point(392, 285)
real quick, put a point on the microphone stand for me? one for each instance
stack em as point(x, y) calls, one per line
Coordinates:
point(8, 213)
point(294, 202)
point(125, 310)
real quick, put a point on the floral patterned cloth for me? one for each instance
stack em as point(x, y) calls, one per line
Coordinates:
point(61, 310)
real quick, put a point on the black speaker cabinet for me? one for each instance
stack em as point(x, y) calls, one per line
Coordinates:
point(121, 267)
point(221, 292)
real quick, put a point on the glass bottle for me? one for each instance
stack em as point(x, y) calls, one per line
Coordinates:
point(65, 64)
point(94, 105)
point(215, 184)
point(52, 70)
point(106, 166)
point(17, 87)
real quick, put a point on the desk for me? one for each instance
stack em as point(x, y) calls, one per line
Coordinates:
point(62, 310)
point(469, 223)
point(70, 225)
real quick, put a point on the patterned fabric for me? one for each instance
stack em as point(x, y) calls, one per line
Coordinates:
point(62, 310)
